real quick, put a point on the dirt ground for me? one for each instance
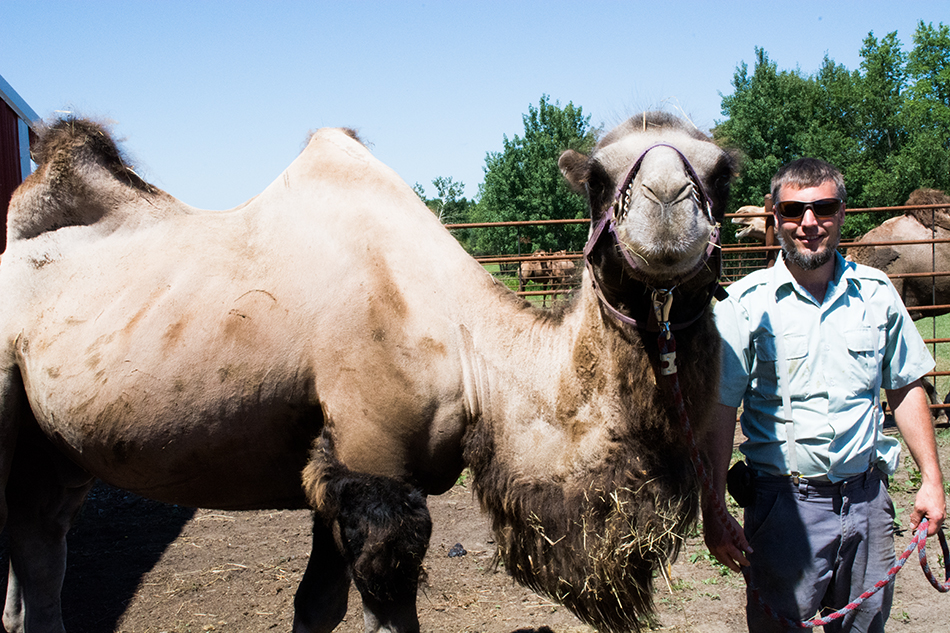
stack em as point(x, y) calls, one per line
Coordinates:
point(140, 566)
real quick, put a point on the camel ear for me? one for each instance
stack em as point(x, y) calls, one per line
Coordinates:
point(575, 168)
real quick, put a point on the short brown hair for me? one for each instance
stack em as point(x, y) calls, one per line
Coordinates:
point(808, 172)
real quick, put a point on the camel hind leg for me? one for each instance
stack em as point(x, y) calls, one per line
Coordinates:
point(44, 492)
point(12, 407)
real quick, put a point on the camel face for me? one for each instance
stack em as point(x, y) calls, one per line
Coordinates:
point(662, 219)
point(753, 226)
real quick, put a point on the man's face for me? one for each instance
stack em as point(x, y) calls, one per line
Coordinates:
point(810, 240)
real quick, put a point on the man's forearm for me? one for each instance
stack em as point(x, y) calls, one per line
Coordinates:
point(912, 416)
point(717, 446)
point(913, 420)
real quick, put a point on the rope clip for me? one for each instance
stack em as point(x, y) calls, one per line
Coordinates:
point(662, 302)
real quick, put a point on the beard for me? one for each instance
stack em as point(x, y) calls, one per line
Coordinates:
point(807, 260)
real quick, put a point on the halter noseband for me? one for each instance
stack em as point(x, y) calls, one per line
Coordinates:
point(608, 225)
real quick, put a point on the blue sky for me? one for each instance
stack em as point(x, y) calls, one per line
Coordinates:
point(214, 99)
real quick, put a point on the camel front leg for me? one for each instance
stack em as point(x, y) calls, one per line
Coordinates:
point(381, 527)
point(320, 602)
point(384, 527)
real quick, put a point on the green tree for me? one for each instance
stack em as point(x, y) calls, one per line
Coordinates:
point(882, 95)
point(449, 205)
point(886, 126)
point(928, 64)
point(927, 111)
point(876, 178)
point(523, 182)
point(766, 113)
point(420, 191)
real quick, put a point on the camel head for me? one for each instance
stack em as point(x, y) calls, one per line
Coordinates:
point(753, 225)
point(657, 187)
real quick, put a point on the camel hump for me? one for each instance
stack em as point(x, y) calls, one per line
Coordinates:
point(930, 217)
point(70, 143)
point(80, 173)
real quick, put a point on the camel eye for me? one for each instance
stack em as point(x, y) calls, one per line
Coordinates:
point(598, 185)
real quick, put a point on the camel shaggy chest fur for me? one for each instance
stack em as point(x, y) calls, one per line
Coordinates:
point(328, 344)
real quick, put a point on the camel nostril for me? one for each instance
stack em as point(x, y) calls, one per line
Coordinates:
point(651, 195)
point(665, 195)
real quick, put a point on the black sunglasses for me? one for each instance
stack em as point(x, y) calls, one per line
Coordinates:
point(794, 209)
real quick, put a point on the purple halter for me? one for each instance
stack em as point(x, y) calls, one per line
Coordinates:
point(608, 225)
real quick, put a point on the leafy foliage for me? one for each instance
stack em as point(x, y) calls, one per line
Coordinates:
point(522, 182)
point(886, 126)
point(449, 205)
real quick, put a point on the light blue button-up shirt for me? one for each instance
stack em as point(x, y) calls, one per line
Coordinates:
point(835, 352)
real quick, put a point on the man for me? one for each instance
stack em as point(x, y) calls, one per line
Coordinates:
point(808, 344)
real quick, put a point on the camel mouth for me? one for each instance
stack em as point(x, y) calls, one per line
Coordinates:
point(664, 242)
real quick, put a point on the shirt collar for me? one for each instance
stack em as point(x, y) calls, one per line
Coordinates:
point(843, 278)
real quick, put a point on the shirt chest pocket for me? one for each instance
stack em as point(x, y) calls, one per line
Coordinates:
point(765, 372)
point(862, 366)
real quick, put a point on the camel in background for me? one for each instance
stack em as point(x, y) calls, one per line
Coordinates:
point(550, 274)
point(903, 259)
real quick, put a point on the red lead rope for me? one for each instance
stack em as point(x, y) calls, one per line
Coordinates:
point(667, 345)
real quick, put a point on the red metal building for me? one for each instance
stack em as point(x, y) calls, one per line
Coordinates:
point(17, 124)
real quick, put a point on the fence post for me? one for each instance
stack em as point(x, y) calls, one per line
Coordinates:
point(521, 283)
point(770, 256)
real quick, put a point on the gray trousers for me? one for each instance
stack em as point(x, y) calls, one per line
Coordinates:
point(817, 547)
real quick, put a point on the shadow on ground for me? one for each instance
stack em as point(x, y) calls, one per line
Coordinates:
point(117, 538)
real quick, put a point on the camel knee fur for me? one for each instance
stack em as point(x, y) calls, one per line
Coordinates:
point(381, 526)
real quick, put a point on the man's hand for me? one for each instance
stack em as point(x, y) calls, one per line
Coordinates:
point(912, 416)
point(727, 543)
point(930, 502)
